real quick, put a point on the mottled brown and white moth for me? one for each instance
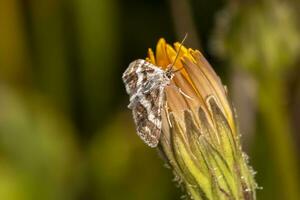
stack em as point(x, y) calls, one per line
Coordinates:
point(145, 83)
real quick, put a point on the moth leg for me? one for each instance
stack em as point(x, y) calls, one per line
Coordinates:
point(187, 96)
point(181, 92)
point(167, 113)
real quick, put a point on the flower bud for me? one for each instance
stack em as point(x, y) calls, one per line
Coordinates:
point(199, 136)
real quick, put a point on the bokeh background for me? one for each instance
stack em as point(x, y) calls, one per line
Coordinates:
point(65, 130)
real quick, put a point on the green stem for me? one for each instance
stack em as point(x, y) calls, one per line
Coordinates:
point(278, 132)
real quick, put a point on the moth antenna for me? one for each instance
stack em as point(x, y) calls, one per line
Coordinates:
point(177, 70)
point(178, 52)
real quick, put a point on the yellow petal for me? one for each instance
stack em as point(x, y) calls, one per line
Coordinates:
point(172, 53)
point(162, 59)
point(183, 49)
point(151, 57)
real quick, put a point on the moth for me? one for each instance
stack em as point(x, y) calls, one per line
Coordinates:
point(145, 83)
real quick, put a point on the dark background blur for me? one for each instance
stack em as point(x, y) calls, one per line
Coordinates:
point(65, 130)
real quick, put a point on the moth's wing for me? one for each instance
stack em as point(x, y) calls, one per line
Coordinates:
point(130, 76)
point(137, 74)
point(147, 116)
point(145, 100)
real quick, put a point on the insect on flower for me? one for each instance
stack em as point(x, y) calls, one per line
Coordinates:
point(196, 130)
point(145, 83)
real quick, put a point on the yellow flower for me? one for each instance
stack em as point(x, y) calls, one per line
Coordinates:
point(197, 79)
point(199, 136)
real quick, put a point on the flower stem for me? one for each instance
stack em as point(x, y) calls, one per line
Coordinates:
point(278, 132)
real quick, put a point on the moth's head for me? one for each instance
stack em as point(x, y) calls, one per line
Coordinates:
point(170, 71)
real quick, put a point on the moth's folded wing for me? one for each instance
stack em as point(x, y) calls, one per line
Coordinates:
point(147, 116)
point(146, 128)
point(130, 76)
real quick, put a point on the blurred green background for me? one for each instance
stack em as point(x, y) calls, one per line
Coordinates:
point(65, 130)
